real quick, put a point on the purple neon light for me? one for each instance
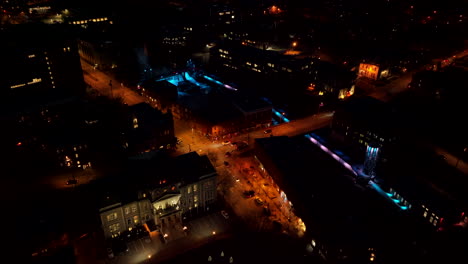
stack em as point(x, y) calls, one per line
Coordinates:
point(336, 157)
point(349, 167)
point(230, 87)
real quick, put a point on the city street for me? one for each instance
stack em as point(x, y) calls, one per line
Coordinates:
point(109, 86)
point(238, 172)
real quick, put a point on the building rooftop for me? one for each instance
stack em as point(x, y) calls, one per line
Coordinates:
point(325, 196)
point(369, 113)
point(251, 104)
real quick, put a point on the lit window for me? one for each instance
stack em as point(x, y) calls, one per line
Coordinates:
point(111, 216)
point(189, 189)
point(194, 187)
point(134, 208)
point(127, 210)
point(114, 228)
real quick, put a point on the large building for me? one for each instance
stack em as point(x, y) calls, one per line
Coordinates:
point(149, 129)
point(364, 120)
point(40, 65)
point(167, 191)
point(212, 107)
point(345, 222)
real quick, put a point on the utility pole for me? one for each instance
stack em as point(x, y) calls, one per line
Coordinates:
point(110, 84)
point(458, 160)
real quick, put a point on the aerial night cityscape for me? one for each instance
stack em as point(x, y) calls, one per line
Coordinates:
point(234, 131)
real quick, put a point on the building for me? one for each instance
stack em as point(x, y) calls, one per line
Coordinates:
point(149, 129)
point(372, 71)
point(364, 120)
point(40, 65)
point(167, 191)
point(118, 217)
point(102, 54)
point(334, 208)
point(208, 103)
point(256, 112)
point(277, 68)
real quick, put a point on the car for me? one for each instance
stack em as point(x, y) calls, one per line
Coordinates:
point(72, 182)
point(259, 201)
point(120, 247)
point(228, 154)
point(227, 142)
point(249, 194)
point(225, 214)
point(226, 164)
point(267, 131)
point(266, 211)
point(242, 145)
point(110, 253)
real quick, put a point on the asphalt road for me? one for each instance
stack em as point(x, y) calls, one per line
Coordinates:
point(102, 83)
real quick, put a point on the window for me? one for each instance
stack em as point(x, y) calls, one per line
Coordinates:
point(111, 217)
point(194, 188)
point(195, 198)
point(134, 208)
point(114, 228)
point(135, 219)
point(425, 214)
point(189, 189)
point(127, 210)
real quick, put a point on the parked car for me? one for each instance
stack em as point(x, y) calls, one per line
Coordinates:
point(266, 210)
point(110, 253)
point(249, 194)
point(259, 201)
point(227, 142)
point(242, 145)
point(71, 182)
point(228, 154)
point(225, 214)
point(267, 131)
point(120, 247)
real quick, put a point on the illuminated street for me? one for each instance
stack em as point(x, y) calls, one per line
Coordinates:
point(109, 86)
point(253, 132)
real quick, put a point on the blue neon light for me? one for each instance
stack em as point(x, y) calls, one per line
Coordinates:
point(380, 191)
point(191, 79)
point(349, 167)
point(220, 83)
point(278, 114)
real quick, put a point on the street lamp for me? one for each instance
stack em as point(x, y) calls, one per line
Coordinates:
point(110, 84)
point(458, 160)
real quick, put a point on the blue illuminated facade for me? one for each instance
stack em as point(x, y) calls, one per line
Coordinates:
point(371, 160)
